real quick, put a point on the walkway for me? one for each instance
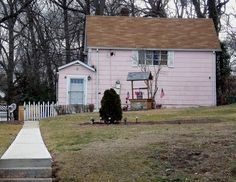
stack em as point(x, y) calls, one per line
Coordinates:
point(27, 159)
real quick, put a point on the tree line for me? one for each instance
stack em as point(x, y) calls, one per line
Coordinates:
point(38, 36)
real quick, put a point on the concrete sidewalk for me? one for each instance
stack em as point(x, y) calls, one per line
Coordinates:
point(27, 153)
point(28, 144)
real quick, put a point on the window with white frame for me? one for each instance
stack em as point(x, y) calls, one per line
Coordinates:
point(152, 57)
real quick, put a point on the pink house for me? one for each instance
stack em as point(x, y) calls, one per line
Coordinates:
point(183, 48)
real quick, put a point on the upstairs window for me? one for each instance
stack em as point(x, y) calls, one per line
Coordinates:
point(152, 57)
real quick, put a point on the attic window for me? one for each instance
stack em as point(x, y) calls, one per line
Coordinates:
point(152, 57)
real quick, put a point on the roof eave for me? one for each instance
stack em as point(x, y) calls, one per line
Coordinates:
point(76, 62)
point(168, 49)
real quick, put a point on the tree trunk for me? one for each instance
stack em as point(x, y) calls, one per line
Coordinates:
point(213, 14)
point(99, 6)
point(196, 4)
point(10, 65)
point(34, 59)
point(66, 32)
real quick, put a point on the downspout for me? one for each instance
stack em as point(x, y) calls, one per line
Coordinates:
point(97, 82)
point(214, 78)
point(57, 80)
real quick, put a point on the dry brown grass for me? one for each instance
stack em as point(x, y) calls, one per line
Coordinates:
point(8, 132)
point(166, 152)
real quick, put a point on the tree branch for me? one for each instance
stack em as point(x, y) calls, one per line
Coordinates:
point(14, 15)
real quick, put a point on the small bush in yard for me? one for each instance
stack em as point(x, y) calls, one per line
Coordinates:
point(110, 110)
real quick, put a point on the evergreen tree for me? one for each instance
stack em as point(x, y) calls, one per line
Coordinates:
point(222, 69)
point(111, 110)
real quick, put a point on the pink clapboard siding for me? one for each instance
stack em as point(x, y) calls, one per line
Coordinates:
point(190, 82)
point(75, 71)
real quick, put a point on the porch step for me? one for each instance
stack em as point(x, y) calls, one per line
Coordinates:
point(27, 159)
point(35, 172)
point(25, 179)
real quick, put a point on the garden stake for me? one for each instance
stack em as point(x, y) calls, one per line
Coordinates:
point(125, 120)
point(92, 119)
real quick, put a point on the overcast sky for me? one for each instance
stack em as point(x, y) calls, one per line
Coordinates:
point(230, 9)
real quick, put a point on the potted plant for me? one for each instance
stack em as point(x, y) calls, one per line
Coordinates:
point(139, 95)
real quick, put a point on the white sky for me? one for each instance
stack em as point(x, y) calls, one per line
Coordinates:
point(230, 9)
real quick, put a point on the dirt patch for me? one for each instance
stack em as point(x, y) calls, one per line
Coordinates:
point(190, 121)
point(206, 156)
point(55, 169)
point(185, 158)
point(233, 172)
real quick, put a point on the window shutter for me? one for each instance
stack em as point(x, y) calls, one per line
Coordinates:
point(134, 58)
point(170, 62)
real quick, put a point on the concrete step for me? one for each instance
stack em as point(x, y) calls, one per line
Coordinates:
point(32, 172)
point(17, 163)
point(25, 179)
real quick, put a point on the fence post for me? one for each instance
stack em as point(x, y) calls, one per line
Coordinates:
point(29, 111)
point(33, 118)
point(53, 109)
point(43, 109)
point(36, 110)
point(24, 111)
point(40, 110)
point(48, 109)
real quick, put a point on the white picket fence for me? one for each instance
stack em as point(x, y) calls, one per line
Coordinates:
point(7, 110)
point(35, 111)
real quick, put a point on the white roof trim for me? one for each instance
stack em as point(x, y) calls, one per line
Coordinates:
point(168, 49)
point(77, 62)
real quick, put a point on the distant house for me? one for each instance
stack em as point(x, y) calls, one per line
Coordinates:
point(2, 94)
point(3, 85)
point(119, 45)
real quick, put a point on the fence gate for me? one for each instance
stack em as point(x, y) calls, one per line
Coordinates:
point(3, 113)
point(36, 111)
point(6, 112)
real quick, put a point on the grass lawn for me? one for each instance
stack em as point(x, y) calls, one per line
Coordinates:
point(201, 148)
point(8, 132)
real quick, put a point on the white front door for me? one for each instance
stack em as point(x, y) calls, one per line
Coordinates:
point(76, 91)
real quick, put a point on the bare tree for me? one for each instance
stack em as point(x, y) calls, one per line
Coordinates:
point(155, 71)
point(155, 8)
point(211, 8)
point(8, 45)
point(180, 7)
point(230, 30)
point(65, 5)
point(15, 11)
point(134, 8)
point(99, 6)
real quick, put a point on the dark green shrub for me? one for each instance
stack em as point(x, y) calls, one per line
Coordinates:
point(110, 110)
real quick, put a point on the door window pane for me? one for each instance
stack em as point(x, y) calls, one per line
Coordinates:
point(76, 91)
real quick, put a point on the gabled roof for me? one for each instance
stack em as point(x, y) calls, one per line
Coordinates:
point(77, 62)
point(139, 76)
point(158, 33)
